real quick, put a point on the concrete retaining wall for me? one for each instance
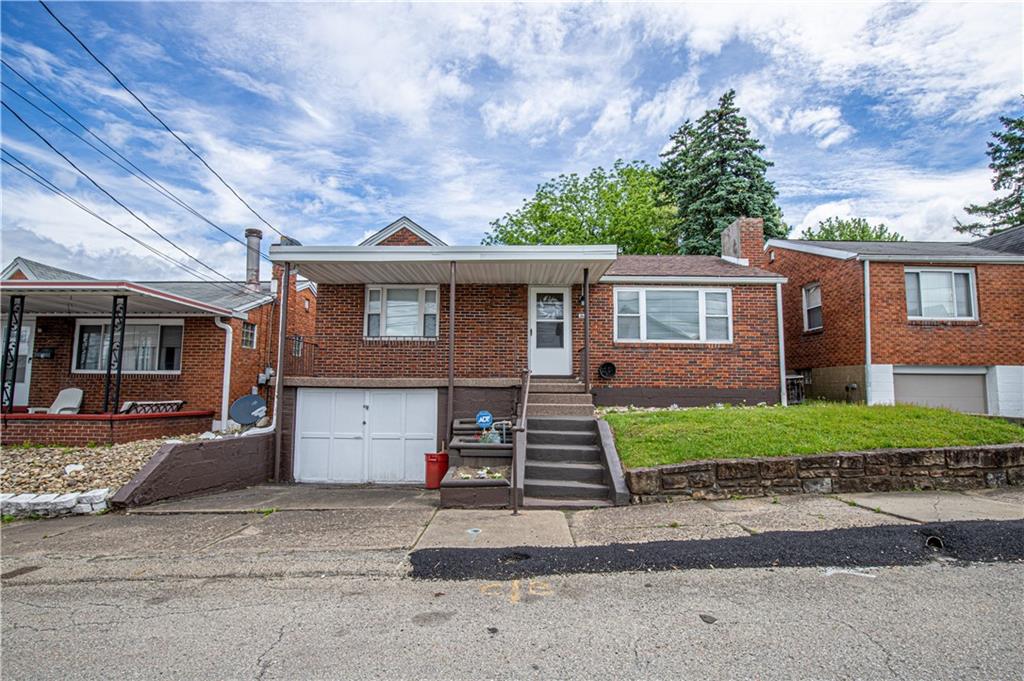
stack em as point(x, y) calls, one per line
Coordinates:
point(187, 468)
point(871, 471)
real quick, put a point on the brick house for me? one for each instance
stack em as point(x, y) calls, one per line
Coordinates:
point(395, 369)
point(934, 323)
point(204, 344)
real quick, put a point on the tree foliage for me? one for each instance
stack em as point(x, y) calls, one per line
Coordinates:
point(850, 229)
point(620, 206)
point(714, 173)
point(1006, 155)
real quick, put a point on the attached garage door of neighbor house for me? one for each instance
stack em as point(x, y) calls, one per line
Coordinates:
point(962, 392)
point(347, 435)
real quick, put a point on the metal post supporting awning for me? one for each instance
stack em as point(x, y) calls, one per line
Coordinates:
point(12, 343)
point(115, 354)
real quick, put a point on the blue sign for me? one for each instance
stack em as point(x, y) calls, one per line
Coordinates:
point(484, 419)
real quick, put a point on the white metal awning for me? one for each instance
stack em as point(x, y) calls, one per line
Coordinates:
point(95, 298)
point(542, 265)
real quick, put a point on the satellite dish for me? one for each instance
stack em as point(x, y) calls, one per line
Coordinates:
point(248, 409)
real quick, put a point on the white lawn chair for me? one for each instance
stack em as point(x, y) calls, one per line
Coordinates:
point(69, 401)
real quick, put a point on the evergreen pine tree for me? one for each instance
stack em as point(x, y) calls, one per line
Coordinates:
point(1007, 162)
point(714, 173)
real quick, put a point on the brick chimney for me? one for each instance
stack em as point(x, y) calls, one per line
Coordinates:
point(744, 240)
point(252, 258)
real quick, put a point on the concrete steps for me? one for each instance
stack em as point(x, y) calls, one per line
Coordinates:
point(539, 503)
point(564, 489)
point(558, 409)
point(563, 453)
point(565, 470)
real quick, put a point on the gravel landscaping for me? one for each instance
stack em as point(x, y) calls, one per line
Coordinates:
point(28, 469)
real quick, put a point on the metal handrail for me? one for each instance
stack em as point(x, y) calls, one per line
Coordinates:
point(519, 442)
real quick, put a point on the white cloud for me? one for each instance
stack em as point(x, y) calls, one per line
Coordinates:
point(825, 123)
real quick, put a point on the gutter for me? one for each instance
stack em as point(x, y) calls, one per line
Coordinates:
point(229, 335)
point(867, 331)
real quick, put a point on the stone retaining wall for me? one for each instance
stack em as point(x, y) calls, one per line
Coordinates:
point(872, 471)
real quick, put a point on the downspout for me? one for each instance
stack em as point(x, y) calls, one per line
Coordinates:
point(450, 411)
point(867, 332)
point(225, 389)
point(281, 324)
point(782, 344)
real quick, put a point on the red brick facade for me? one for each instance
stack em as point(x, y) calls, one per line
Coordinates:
point(199, 383)
point(840, 342)
point(491, 340)
point(404, 237)
point(89, 429)
point(750, 362)
point(491, 329)
point(996, 338)
point(991, 340)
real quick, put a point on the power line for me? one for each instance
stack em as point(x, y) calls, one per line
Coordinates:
point(108, 194)
point(135, 170)
point(38, 178)
point(158, 119)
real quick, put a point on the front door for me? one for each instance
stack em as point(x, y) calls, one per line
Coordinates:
point(23, 372)
point(550, 331)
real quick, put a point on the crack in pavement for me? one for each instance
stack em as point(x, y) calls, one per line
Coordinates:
point(264, 666)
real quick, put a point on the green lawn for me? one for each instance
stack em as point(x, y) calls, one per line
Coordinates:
point(652, 438)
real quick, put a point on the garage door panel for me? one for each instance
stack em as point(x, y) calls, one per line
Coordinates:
point(314, 411)
point(387, 462)
point(415, 448)
point(421, 414)
point(314, 465)
point(347, 462)
point(349, 413)
point(961, 392)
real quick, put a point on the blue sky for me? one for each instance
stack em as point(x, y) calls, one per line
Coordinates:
point(333, 120)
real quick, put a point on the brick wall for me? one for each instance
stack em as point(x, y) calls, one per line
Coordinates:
point(490, 336)
point(895, 339)
point(199, 383)
point(841, 340)
point(79, 432)
point(750, 362)
point(404, 237)
point(996, 338)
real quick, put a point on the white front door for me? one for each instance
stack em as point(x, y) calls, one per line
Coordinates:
point(550, 331)
point(352, 435)
point(23, 372)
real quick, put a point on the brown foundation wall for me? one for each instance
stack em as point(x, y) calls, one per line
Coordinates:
point(184, 469)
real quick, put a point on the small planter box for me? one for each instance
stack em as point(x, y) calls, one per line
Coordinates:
point(473, 493)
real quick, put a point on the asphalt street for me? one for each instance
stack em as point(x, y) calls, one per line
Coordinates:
point(324, 588)
point(937, 621)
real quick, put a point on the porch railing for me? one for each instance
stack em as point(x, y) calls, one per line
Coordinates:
point(519, 446)
point(299, 356)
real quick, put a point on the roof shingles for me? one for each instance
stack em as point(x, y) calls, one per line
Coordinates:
point(681, 266)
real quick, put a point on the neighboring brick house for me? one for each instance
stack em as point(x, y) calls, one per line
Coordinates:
point(663, 330)
point(942, 325)
point(175, 338)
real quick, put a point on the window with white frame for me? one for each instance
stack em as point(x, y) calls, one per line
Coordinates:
point(149, 347)
point(812, 307)
point(401, 312)
point(940, 293)
point(248, 335)
point(673, 315)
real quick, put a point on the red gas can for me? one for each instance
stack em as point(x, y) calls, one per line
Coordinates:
point(437, 466)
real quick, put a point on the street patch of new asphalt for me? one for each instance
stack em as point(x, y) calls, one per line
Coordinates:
point(887, 545)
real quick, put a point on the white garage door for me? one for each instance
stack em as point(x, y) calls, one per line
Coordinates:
point(347, 435)
point(962, 392)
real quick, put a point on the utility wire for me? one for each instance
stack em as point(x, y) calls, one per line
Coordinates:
point(109, 195)
point(158, 119)
point(135, 170)
point(36, 177)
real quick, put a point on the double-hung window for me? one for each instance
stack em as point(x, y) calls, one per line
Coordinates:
point(151, 347)
point(401, 312)
point(248, 335)
point(673, 315)
point(812, 307)
point(940, 293)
